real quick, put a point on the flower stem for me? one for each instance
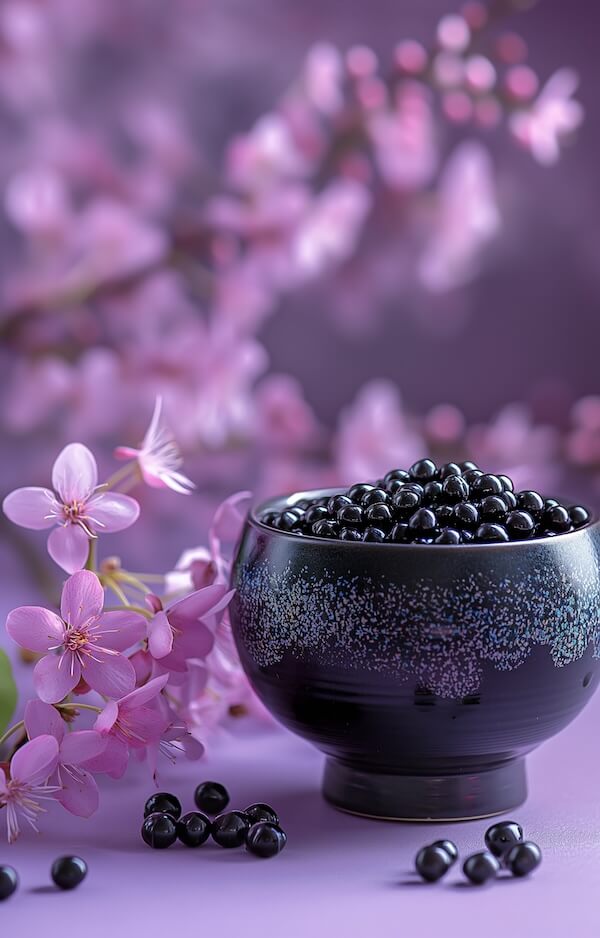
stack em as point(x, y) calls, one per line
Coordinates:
point(91, 561)
point(119, 475)
point(78, 706)
point(11, 732)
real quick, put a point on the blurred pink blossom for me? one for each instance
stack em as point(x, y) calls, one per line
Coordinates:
point(583, 441)
point(284, 418)
point(375, 434)
point(322, 78)
point(512, 444)
point(467, 218)
point(554, 115)
point(404, 139)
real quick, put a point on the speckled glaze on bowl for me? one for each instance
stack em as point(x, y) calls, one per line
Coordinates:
point(424, 673)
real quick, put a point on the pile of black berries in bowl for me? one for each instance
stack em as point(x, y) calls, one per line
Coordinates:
point(456, 503)
point(426, 631)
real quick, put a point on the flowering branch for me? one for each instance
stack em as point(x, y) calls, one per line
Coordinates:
point(149, 664)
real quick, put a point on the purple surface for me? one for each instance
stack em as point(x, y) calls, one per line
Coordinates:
point(339, 875)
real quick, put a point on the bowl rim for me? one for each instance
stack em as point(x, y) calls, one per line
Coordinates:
point(289, 500)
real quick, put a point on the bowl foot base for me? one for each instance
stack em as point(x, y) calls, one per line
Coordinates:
point(425, 797)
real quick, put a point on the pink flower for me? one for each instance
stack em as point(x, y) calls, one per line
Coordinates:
point(285, 420)
point(515, 445)
point(328, 233)
point(78, 507)
point(133, 722)
point(468, 217)
point(159, 458)
point(403, 139)
point(89, 642)
point(552, 116)
point(184, 630)
point(21, 792)
point(375, 434)
point(77, 790)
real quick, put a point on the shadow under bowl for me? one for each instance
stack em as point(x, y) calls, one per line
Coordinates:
point(425, 673)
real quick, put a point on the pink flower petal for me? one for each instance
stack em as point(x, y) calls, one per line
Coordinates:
point(196, 605)
point(228, 520)
point(143, 695)
point(80, 746)
point(107, 718)
point(126, 452)
point(111, 675)
point(111, 511)
point(195, 642)
point(69, 547)
point(75, 474)
point(42, 719)
point(120, 629)
point(31, 508)
point(144, 726)
point(55, 676)
point(35, 761)
point(35, 628)
point(82, 598)
point(160, 636)
point(142, 665)
point(79, 793)
point(113, 760)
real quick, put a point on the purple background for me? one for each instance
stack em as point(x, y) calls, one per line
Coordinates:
point(529, 331)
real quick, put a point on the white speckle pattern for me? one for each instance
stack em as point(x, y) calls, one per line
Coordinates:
point(436, 634)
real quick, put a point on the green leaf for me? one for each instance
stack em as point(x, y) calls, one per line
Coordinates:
point(8, 691)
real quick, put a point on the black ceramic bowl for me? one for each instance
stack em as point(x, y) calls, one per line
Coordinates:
point(425, 673)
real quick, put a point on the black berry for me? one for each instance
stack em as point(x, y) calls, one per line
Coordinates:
point(336, 502)
point(500, 837)
point(373, 535)
point(481, 867)
point(449, 469)
point(350, 534)
point(265, 839)
point(449, 846)
point(406, 502)
point(230, 829)
point(491, 533)
point(432, 493)
point(261, 812)
point(159, 830)
point(424, 470)
point(400, 533)
point(486, 484)
point(449, 536)
point(356, 492)
point(68, 872)
point(378, 515)
point(493, 508)
point(432, 862)
point(423, 522)
point(193, 829)
point(326, 528)
point(532, 503)
point(520, 525)
point(211, 797)
point(579, 516)
point(466, 515)
point(374, 497)
point(9, 882)
point(395, 475)
point(163, 803)
point(350, 515)
point(523, 858)
point(455, 489)
point(557, 519)
point(315, 513)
